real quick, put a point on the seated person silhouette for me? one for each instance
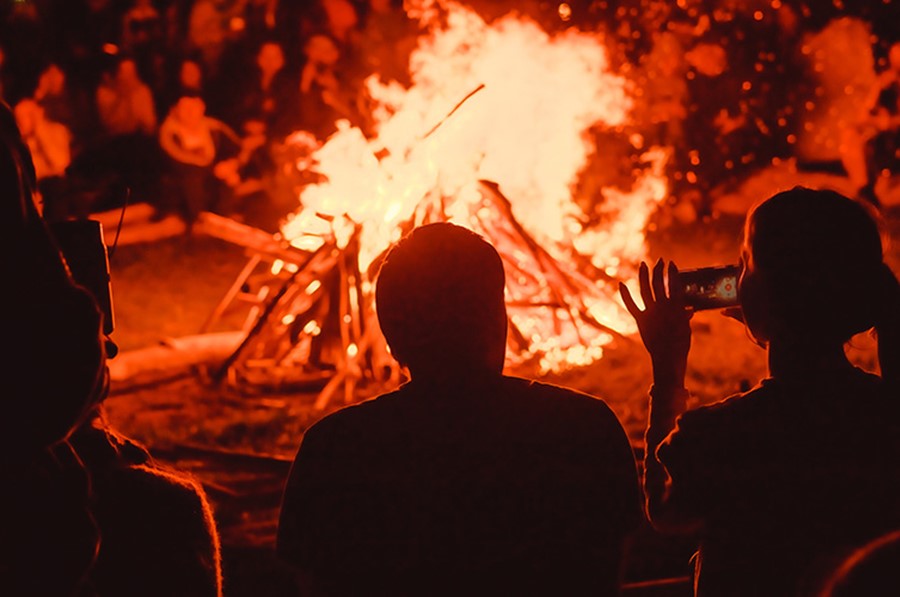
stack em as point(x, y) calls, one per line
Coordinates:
point(779, 483)
point(86, 512)
point(464, 481)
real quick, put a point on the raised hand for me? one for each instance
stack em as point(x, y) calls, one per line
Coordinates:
point(664, 323)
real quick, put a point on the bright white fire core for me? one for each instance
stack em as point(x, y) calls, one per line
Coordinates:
point(527, 128)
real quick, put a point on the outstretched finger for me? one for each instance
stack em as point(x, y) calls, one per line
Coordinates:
point(644, 282)
point(632, 307)
point(659, 282)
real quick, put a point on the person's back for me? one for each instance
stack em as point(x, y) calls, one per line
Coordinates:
point(787, 478)
point(506, 486)
point(463, 481)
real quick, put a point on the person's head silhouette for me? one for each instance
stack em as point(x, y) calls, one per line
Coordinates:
point(440, 303)
point(53, 373)
point(813, 268)
point(53, 330)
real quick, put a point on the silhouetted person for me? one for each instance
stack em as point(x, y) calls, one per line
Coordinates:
point(50, 145)
point(125, 102)
point(85, 510)
point(52, 374)
point(463, 481)
point(124, 152)
point(269, 89)
point(780, 482)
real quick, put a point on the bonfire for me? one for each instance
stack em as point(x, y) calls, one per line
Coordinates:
point(493, 133)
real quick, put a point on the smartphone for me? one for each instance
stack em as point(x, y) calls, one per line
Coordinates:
point(711, 287)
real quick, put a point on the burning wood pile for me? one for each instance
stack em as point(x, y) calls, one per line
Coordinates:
point(503, 160)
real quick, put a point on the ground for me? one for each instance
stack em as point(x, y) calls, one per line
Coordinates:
point(240, 444)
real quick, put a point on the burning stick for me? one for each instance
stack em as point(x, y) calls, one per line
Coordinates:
point(451, 112)
point(550, 268)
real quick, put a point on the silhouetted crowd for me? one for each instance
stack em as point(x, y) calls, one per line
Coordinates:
point(464, 480)
point(730, 87)
point(186, 105)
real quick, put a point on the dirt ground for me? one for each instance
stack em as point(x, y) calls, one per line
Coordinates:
point(240, 445)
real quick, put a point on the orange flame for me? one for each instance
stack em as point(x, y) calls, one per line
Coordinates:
point(504, 102)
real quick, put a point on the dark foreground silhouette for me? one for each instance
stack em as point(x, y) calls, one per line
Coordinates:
point(85, 510)
point(782, 482)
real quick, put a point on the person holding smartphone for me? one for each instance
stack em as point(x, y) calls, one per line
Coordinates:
point(779, 483)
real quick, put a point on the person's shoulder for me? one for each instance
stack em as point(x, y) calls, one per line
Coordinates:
point(719, 415)
point(153, 500)
point(358, 414)
point(549, 399)
point(877, 399)
point(550, 391)
point(158, 485)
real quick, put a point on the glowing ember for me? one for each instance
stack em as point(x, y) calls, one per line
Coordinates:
point(509, 104)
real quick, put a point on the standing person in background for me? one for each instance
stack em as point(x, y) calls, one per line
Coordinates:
point(464, 481)
point(386, 40)
point(207, 32)
point(780, 483)
point(199, 152)
point(48, 141)
point(251, 183)
point(185, 74)
point(324, 97)
point(50, 144)
point(341, 20)
point(142, 36)
point(268, 90)
point(126, 152)
point(63, 102)
point(125, 102)
point(213, 27)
